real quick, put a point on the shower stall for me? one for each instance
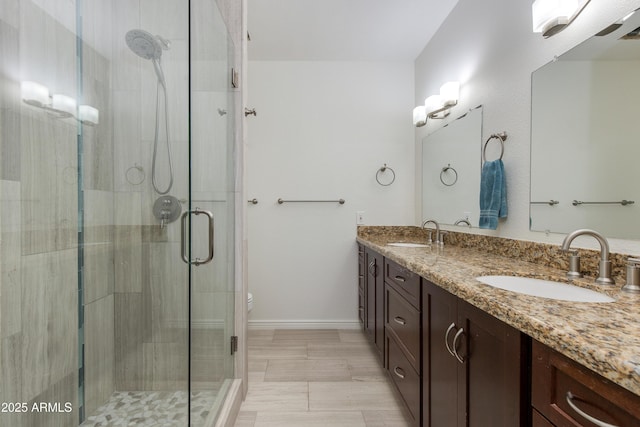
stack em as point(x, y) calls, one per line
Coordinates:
point(117, 212)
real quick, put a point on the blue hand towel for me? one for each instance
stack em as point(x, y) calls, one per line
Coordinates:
point(493, 194)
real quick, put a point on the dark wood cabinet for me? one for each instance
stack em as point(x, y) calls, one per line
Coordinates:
point(403, 335)
point(362, 268)
point(374, 305)
point(565, 393)
point(474, 365)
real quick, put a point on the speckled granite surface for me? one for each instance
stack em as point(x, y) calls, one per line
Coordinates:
point(605, 337)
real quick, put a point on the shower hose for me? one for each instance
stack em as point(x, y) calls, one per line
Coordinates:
point(157, 138)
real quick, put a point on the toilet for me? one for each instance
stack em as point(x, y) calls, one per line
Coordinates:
point(249, 302)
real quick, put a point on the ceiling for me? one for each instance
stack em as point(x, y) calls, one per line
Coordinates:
point(343, 30)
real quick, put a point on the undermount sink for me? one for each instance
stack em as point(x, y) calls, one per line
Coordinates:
point(544, 288)
point(407, 245)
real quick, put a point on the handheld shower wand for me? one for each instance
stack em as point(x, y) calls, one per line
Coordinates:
point(148, 46)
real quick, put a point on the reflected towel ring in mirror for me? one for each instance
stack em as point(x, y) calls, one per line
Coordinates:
point(443, 173)
point(131, 178)
point(502, 137)
point(381, 171)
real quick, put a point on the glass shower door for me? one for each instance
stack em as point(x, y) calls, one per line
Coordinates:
point(211, 189)
point(101, 320)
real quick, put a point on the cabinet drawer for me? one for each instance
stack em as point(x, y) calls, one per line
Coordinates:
point(538, 420)
point(405, 281)
point(555, 378)
point(405, 378)
point(403, 320)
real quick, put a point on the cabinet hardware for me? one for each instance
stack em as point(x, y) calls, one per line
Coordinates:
point(399, 372)
point(373, 268)
point(451, 327)
point(400, 320)
point(400, 279)
point(455, 345)
point(584, 415)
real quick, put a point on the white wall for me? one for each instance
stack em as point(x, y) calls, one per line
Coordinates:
point(322, 131)
point(490, 48)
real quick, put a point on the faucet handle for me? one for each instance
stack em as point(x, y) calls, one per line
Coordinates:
point(442, 234)
point(574, 264)
point(633, 275)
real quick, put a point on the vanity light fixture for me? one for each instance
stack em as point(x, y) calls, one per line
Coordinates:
point(63, 105)
point(437, 106)
point(552, 16)
point(58, 105)
point(419, 116)
point(88, 115)
point(34, 94)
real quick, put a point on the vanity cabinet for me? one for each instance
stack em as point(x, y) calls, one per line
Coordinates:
point(373, 295)
point(403, 334)
point(565, 393)
point(474, 370)
point(361, 279)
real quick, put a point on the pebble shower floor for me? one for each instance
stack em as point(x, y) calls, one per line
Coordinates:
point(158, 409)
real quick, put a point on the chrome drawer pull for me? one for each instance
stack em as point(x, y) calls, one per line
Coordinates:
point(455, 345)
point(399, 372)
point(584, 415)
point(400, 279)
point(446, 338)
point(400, 320)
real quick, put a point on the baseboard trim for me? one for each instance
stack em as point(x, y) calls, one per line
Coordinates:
point(303, 324)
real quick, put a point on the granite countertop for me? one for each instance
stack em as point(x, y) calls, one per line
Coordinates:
point(604, 337)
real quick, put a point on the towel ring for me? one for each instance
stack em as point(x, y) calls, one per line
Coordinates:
point(445, 169)
point(383, 169)
point(502, 137)
point(131, 178)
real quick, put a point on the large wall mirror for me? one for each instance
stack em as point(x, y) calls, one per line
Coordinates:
point(451, 171)
point(585, 140)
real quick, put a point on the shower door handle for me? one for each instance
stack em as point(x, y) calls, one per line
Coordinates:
point(183, 240)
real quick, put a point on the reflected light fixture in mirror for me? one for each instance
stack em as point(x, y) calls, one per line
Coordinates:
point(552, 16)
point(34, 94)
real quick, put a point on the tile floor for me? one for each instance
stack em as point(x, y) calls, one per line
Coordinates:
point(317, 378)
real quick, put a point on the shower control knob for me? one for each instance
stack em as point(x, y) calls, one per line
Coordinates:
point(167, 209)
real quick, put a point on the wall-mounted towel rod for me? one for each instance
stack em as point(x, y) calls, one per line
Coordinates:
point(281, 201)
point(622, 202)
point(550, 203)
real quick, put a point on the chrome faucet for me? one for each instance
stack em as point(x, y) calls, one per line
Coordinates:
point(434, 222)
point(604, 275)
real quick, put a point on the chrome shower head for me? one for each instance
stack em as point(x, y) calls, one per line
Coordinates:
point(145, 44)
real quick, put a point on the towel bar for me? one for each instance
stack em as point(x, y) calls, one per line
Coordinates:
point(622, 202)
point(281, 201)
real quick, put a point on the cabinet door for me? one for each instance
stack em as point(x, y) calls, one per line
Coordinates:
point(439, 369)
point(375, 304)
point(493, 374)
point(362, 268)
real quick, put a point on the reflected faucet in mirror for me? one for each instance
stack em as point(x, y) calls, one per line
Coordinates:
point(604, 274)
point(462, 221)
point(437, 228)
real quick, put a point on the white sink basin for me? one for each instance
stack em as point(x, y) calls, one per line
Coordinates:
point(544, 288)
point(407, 245)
